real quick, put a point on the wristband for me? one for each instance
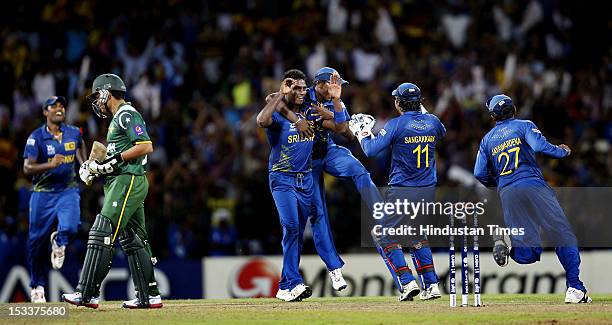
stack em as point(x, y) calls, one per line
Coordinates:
point(339, 117)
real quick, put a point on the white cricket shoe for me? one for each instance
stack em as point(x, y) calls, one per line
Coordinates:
point(433, 292)
point(77, 300)
point(298, 293)
point(338, 282)
point(154, 302)
point(575, 296)
point(409, 291)
point(284, 295)
point(37, 295)
point(58, 253)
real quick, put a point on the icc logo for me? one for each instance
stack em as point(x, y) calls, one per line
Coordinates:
point(257, 278)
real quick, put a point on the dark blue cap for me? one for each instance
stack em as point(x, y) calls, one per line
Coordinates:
point(497, 103)
point(325, 73)
point(408, 91)
point(54, 99)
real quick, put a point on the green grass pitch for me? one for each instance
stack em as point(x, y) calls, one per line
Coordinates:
point(507, 309)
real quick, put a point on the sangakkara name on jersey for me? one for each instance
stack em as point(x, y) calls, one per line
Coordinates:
point(420, 139)
point(505, 145)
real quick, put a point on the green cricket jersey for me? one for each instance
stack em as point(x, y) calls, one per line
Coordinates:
point(127, 129)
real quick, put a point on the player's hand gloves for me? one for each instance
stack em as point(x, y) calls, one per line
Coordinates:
point(361, 125)
point(107, 166)
point(98, 100)
point(86, 176)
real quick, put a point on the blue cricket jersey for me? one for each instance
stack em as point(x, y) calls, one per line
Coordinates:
point(412, 137)
point(42, 147)
point(507, 154)
point(289, 152)
point(322, 137)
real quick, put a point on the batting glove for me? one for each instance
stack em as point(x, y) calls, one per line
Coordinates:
point(107, 166)
point(361, 125)
point(103, 97)
point(86, 176)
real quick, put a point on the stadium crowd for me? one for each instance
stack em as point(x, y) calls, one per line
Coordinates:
point(198, 71)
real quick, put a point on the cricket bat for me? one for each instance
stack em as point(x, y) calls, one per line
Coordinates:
point(98, 152)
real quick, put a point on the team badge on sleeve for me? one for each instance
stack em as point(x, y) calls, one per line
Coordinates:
point(31, 142)
point(124, 120)
point(138, 129)
point(536, 130)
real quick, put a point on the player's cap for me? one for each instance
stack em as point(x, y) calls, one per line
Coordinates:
point(407, 91)
point(499, 104)
point(325, 73)
point(54, 99)
point(109, 82)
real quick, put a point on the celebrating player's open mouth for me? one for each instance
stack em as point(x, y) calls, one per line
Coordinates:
point(57, 110)
point(298, 92)
point(59, 115)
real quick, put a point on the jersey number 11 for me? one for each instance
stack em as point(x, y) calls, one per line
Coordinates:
point(424, 150)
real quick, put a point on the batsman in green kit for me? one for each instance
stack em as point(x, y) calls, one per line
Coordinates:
point(122, 217)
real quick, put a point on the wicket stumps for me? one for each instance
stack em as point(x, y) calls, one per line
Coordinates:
point(476, 253)
point(465, 272)
point(451, 263)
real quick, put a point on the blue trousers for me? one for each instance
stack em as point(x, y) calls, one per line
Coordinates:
point(530, 207)
point(48, 209)
point(292, 195)
point(390, 247)
point(338, 162)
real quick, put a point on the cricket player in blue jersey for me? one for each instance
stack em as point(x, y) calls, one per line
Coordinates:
point(329, 114)
point(506, 159)
point(412, 138)
point(49, 156)
point(290, 176)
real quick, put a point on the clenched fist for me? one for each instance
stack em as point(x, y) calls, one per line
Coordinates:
point(57, 160)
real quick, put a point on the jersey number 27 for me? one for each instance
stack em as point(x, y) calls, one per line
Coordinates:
point(506, 156)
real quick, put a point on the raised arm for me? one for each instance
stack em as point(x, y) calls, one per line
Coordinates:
point(264, 118)
point(538, 143)
point(301, 124)
point(337, 120)
point(372, 146)
point(341, 117)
